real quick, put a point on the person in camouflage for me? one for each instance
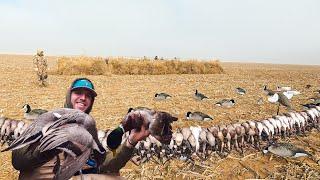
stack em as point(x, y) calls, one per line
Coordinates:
point(34, 164)
point(40, 66)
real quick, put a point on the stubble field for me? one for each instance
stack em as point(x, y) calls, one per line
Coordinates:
point(116, 93)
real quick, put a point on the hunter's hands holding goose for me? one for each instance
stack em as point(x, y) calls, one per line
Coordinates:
point(143, 122)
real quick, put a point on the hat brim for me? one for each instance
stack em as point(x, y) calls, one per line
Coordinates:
point(94, 94)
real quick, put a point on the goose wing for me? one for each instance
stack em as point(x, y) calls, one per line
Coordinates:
point(75, 141)
point(39, 111)
point(201, 115)
point(288, 94)
point(165, 95)
point(32, 133)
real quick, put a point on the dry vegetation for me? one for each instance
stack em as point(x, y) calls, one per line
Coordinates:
point(122, 66)
point(117, 93)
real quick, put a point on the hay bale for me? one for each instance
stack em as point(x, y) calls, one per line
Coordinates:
point(146, 67)
point(121, 66)
point(82, 66)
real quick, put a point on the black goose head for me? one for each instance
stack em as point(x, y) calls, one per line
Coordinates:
point(26, 108)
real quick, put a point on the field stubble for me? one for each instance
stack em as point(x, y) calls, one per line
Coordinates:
point(116, 93)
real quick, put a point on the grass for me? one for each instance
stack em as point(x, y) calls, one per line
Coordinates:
point(117, 93)
point(121, 66)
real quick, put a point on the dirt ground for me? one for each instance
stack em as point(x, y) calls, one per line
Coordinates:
point(117, 93)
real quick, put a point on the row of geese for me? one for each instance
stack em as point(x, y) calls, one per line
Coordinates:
point(185, 143)
point(202, 141)
point(280, 96)
point(200, 96)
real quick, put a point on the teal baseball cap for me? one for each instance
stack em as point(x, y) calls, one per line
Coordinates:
point(84, 83)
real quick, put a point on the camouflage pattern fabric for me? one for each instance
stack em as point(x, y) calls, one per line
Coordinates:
point(40, 66)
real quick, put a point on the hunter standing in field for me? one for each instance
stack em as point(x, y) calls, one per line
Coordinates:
point(40, 66)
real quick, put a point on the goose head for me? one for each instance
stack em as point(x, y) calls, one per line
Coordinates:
point(26, 108)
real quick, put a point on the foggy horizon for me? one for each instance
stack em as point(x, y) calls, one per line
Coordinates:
point(276, 32)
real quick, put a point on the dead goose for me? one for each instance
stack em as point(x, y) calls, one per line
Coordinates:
point(195, 131)
point(315, 100)
point(161, 96)
point(68, 130)
point(310, 105)
point(32, 114)
point(226, 103)
point(285, 150)
point(199, 116)
point(199, 96)
point(7, 130)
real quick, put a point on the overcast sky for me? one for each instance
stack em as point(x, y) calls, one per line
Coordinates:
point(272, 31)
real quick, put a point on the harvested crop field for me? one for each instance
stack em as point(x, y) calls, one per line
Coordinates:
point(116, 93)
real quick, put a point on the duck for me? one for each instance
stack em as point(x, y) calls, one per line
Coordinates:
point(158, 122)
point(162, 96)
point(199, 96)
point(285, 150)
point(32, 114)
point(199, 116)
point(69, 130)
point(240, 91)
point(226, 103)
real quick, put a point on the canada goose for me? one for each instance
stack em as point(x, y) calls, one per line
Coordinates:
point(310, 105)
point(279, 98)
point(240, 91)
point(199, 96)
point(71, 131)
point(284, 88)
point(283, 100)
point(226, 103)
point(288, 91)
point(285, 150)
point(161, 96)
point(199, 116)
point(32, 114)
point(267, 91)
point(291, 93)
point(315, 100)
